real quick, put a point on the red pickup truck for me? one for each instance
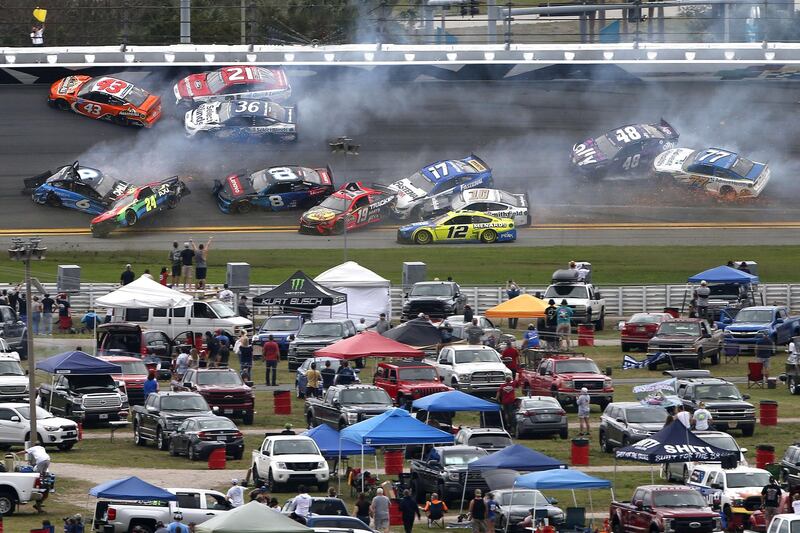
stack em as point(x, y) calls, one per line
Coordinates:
point(664, 509)
point(223, 388)
point(405, 381)
point(563, 376)
point(134, 373)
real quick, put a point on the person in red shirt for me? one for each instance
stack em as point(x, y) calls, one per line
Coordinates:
point(512, 354)
point(507, 398)
point(162, 278)
point(272, 353)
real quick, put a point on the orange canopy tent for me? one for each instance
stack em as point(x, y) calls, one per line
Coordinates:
point(523, 306)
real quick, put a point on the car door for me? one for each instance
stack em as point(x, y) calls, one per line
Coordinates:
point(637, 518)
point(446, 364)
point(190, 379)
point(60, 397)
point(191, 504)
point(783, 329)
point(214, 504)
point(11, 430)
point(456, 228)
point(150, 418)
point(179, 438)
point(542, 379)
point(614, 428)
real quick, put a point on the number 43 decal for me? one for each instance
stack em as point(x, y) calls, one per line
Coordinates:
point(92, 109)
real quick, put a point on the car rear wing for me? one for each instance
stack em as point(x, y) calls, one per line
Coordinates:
point(181, 189)
point(36, 181)
point(666, 124)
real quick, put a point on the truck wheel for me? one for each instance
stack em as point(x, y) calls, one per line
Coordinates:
point(310, 419)
point(625, 347)
point(697, 362)
point(601, 322)
point(715, 358)
point(564, 433)
point(615, 527)
point(161, 440)
point(526, 390)
point(248, 418)
point(172, 450)
point(257, 481)
point(65, 446)
point(604, 445)
point(323, 486)
point(747, 431)
point(419, 492)
point(191, 454)
point(793, 386)
point(342, 424)
point(8, 503)
point(146, 527)
point(137, 436)
point(271, 483)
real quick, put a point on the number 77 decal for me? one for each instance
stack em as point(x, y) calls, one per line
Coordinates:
point(713, 155)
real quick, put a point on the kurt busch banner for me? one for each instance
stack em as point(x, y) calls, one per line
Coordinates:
point(300, 291)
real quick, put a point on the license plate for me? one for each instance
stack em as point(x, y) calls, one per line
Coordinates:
point(104, 416)
point(228, 411)
point(69, 434)
point(732, 425)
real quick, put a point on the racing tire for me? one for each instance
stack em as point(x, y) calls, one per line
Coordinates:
point(489, 236)
point(161, 441)
point(601, 322)
point(138, 440)
point(62, 105)
point(65, 446)
point(121, 121)
point(8, 503)
point(243, 207)
point(423, 237)
point(248, 418)
point(794, 387)
point(101, 231)
point(130, 217)
point(53, 200)
point(191, 454)
point(172, 202)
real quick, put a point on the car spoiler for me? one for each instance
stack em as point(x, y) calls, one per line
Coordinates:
point(36, 181)
point(180, 184)
point(666, 124)
point(330, 175)
point(479, 160)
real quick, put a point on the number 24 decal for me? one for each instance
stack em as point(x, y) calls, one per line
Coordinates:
point(457, 232)
point(150, 203)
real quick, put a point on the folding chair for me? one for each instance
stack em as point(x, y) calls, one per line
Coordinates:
point(436, 515)
point(731, 353)
point(755, 374)
point(575, 519)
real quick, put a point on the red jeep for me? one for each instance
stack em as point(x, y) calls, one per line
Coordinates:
point(563, 376)
point(134, 372)
point(405, 381)
point(223, 388)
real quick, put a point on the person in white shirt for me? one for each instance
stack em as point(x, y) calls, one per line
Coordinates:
point(235, 494)
point(796, 503)
point(684, 417)
point(701, 418)
point(793, 359)
point(38, 457)
point(37, 35)
point(302, 504)
point(226, 296)
point(361, 326)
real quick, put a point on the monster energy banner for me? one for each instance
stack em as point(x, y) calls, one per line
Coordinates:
point(300, 291)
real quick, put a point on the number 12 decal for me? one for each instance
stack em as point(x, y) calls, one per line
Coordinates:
point(457, 232)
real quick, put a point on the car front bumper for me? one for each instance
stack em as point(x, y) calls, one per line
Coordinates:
point(319, 475)
point(595, 397)
point(232, 449)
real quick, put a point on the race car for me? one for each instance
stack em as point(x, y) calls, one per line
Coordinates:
point(355, 205)
point(106, 98)
point(232, 83)
point(459, 226)
point(242, 119)
point(75, 187)
point(275, 188)
point(493, 202)
point(718, 172)
point(141, 202)
point(623, 151)
point(443, 178)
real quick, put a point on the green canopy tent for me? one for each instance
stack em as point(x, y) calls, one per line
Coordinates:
point(253, 517)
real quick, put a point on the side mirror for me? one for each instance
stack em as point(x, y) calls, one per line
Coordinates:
point(639, 504)
point(392, 380)
point(779, 321)
point(15, 418)
point(598, 296)
point(406, 295)
point(249, 383)
point(433, 462)
point(743, 450)
point(441, 378)
point(621, 420)
point(552, 501)
point(151, 409)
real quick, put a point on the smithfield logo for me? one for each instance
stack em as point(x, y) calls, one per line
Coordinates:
point(297, 283)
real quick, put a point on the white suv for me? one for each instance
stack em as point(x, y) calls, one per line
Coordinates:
point(15, 427)
point(784, 523)
point(290, 458)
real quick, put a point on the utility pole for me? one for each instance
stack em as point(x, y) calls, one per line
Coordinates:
point(345, 146)
point(27, 251)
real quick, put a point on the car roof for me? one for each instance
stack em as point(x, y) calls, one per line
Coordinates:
point(626, 405)
point(485, 430)
point(14, 404)
point(327, 321)
point(358, 386)
point(763, 307)
point(405, 363)
point(290, 437)
point(687, 320)
point(176, 393)
point(210, 370)
point(666, 488)
point(737, 470)
point(539, 398)
point(460, 448)
point(458, 347)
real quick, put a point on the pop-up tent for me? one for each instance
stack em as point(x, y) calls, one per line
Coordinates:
point(728, 285)
point(724, 274)
point(131, 488)
point(516, 457)
point(331, 445)
point(448, 401)
point(144, 292)
point(675, 443)
point(523, 306)
point(368, 344)
point(77, 363)
point(300, 293)
point(419, 333)
point(253, 517)
point(368, 294)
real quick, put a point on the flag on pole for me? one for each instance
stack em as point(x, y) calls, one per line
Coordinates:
point(629, 362)
point(40, 14)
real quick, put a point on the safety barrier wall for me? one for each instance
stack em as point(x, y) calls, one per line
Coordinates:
point(621, 301)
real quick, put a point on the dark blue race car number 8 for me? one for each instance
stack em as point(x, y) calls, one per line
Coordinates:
point(457, 232)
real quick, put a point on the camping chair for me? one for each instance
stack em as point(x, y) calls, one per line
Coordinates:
point(575, 519)
point(731, 353)
point(436, 514)
point(755, 374)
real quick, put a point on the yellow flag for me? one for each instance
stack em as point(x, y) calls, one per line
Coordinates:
point(40, 14)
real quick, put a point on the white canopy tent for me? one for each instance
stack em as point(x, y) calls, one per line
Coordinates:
point(368, 294)
point(144, 293)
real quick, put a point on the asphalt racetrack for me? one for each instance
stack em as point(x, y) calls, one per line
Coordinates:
point(523, 130)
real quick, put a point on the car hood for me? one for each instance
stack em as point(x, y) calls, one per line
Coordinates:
point(650, 427)
point(367, 406)
point(14, 380)
point(524, 510)
point(298, 458)
point(581, 375)
point(472, 367)
point(407, 193)
point(679, 339)
point(743, 492)
point(570, 301)
point(69, 85)
point(320, 214)
point(54, 421)
point(223, 388)
point(672, 160)
point(430, 298)
point(185, 414)
point(315, 340)
point(194, 85)
point(690, 512)
point(748, 326)
point(740, 404)
point(205, 114)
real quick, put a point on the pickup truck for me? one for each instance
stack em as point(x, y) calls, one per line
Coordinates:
point(563, 377)
point(687, 341)
point(407, 380)
point(343, 405)
point(727, 405)
point(88, 398)
point(761, 329)
point(196, 505)
point(285, 459)
point(663, 509)
point(18, 488)
point(439, 299)
point(224, 389)
point(585, 300)
point(13, 380)
point(473, 369)
point(162, 413)
point(316, 334)
point(725, 489)
point(283, 328)
point(444, 471)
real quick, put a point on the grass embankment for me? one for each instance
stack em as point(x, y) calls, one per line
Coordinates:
point(490, 265)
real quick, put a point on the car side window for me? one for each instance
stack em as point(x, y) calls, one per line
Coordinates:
point(6, 414)
point(496, 207)
point(151, 401)
point(393, 374)
point(648, 499)
point(638, 495)
point(215, 502)
point(784, 526)
point(696, 476)
point(773, 528)
point(100, 98)
point(188, 500)
point(189, 377)
point(481, 220)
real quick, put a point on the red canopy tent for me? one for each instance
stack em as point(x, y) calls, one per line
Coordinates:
point(368, 344)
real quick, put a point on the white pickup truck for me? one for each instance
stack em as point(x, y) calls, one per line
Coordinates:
point(196, 505)
point(284, 459)
point(735, 487)
point(18, 488)
point(588, 306)
point(471, 368)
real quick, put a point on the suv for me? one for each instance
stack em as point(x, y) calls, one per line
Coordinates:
point(624, 423)
point(680, 471)
point(134, 374)
point(688, 340)
point(224, 389)
point(316, 334)
point(284, 459)
point(474, 369)
point(564, 376)
point(13, 331)
point(13, 380)
point(405, 381)
point(438, 299)
point(760, 329)
point(125, 338)
point(162, 413)
point(727, 405)
point(89, 398)
point(584, 298)
point(490, 439)
point(445, 472)
point(790, 463)
point(347, 404)
point(283, 328)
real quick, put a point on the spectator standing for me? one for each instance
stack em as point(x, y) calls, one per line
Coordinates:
point(512, 354)
point(313, 381)
point(37, 35)
point(235, 494)
point(468, 314)
point(212, 349)
point(64, 318)
point(564, 323)
point(701, 295)
point(182, 364)
point(382, 325)
point(245, 352)
point(512, 291)
point(187, 260)
point(409, 510)
point(224, 349)
point(530, 339)
point(701, 419)
point(147, 274)
point(162, 276)
point(243, 309)
point(36, 314)
point(491, 511)
point(584, 402)
point(48, 304)
point(271, 352)
point(4, 297)
point(743, 267)
point(176, 262)
point(477, 513)
point(127, 275)
point(22, 306)
point(796, 503)
point(771, 499)
point(345, 374)
point(362, 325)
point(361, 508)
point(473, 332)
point(683, 417)
point(201, 263)
point(226, 296)
point(328, 375)
point(177, 525)
point(507, 398)
point(551, 323)
point(150, 384)
point(380, 511)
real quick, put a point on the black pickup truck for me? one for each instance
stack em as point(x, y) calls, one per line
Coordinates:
point(438, 299)
point(444, 471)
point(347, 404)
point(88, 398)
point(162, 413)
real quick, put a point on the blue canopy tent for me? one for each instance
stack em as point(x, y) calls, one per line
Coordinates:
point(131, 488)
point(724, 274)
point(331, 445)
point(453, 400)
point(740, 286)
point(395, 427)
point(79, 363)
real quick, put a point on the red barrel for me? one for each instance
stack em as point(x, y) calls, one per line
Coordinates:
point(765, 454)
point(393, 461)
point(395, 516)
point(769, 413)
point(216, 459)
point(283, 402)
point(580, 452)
point(586, 335)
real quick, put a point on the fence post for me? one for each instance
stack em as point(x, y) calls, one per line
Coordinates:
point(644, 298)
point(619, 301)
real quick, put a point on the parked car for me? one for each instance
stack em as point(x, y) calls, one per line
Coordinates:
point(688, 341)
point(490, 439)
point(444, 471)
point(438, 299)
point(127, 338)
point(408, 380)
point(335, 363)
point(790, 462)
point(337, 523)
point(15, 427)
point(13, 380)
point(639, 329)
point(315, 335)
point(725, 489)
point(761, 329)
point(283, 328)
point(512, 512)
point(162, 413)
point(285, 459)
point(196, 437)
point(472, 369)
point(727, 405)
point(13, 331)
point(680, 471)
point(588, 306)
point(784, 523)
point(489, 329)
point(320, 505)
point(88, 398)
point(563, 377)
point(223, 389)
point(344, 405)
point(624, 423)
point(540, 415)
point(663, 509)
